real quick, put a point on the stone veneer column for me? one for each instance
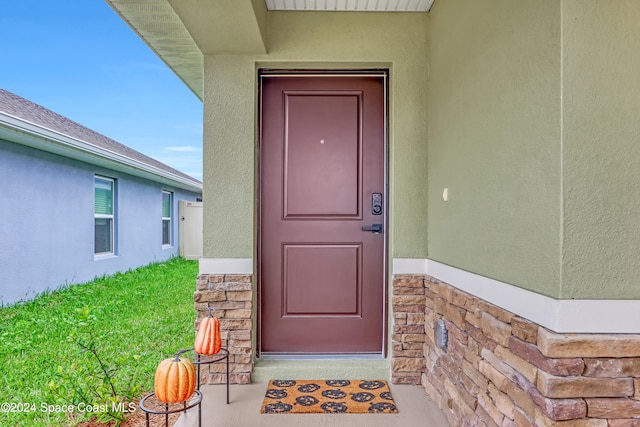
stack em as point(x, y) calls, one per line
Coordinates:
point(407, 355)
point(503, 370)
point(230, 298)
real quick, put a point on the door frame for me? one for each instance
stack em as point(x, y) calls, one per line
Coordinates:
point(271, 72)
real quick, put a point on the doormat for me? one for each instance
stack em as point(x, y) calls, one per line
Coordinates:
point(328, 397)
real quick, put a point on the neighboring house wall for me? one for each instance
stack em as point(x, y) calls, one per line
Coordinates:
point(47, 222)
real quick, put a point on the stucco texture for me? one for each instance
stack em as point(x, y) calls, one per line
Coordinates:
point(495, 140)
point(298, 40)
point(533, 129)
point(601, 98)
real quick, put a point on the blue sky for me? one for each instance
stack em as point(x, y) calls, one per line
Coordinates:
point(79, 59)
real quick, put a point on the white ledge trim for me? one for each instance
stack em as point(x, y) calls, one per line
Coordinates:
point(561, 316)
point(226, 266)
point(409, 266)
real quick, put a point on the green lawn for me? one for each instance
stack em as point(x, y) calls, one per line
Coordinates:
point(136, 319)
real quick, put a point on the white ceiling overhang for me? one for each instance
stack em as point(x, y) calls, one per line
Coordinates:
point(181, 32)
point(352, 5)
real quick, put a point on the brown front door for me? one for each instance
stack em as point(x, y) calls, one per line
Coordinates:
point(322, 180)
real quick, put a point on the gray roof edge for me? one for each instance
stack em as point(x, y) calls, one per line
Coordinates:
point(40, 137)
point(28, 117)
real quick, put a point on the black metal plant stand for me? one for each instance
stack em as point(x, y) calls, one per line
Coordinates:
point(196, 399)
point(202, 359)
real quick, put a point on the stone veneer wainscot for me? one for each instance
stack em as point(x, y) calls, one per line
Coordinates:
point(230, 298)
point(503, 370)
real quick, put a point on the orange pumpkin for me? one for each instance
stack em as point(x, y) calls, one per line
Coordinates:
point(208, 339)
point(175, 380)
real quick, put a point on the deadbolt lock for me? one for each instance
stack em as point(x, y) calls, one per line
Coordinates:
point(376, 203)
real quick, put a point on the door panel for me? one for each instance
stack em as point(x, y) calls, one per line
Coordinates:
point(322, 157)
point(322, 280)
point(322, 146)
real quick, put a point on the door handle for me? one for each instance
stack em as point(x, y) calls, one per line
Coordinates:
point(375, 228)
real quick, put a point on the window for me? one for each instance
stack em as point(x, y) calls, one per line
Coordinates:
point(167, 199)
point(103, 215)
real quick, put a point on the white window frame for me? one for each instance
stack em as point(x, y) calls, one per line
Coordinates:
point(167, 218)
point(111, 216)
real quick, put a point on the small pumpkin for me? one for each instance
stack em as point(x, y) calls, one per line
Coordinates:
point(208, 340)
point(175, 379)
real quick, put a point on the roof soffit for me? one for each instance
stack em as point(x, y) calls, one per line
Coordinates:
point(158, 25)
point(181, 32)
point(223, 27)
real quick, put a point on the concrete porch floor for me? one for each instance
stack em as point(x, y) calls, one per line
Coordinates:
point(414, 409)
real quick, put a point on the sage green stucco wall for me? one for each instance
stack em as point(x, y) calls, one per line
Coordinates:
point(228, 155)
point(397, 41)
point(495, 140)
point(601, 132)
point(534, 129)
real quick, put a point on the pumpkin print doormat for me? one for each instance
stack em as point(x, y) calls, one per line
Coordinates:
point(328, 396)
